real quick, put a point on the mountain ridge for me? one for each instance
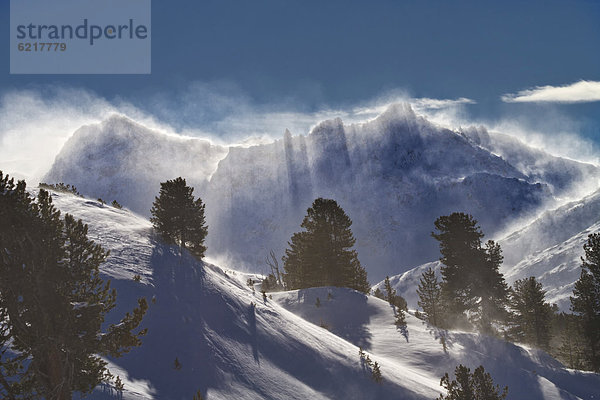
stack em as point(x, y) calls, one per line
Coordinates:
point(393, 175)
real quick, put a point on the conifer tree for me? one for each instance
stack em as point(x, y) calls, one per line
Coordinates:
point(400, 321)
point(471, 279)
point(178, 218)
point(478, 385)
point(585, 301)
point(429, 293)
point(177, 364)
point(53, 301)
point(460, 246)
point(390, 293)
point(570, 351)
point(198, 396)
point(491, 288)
point(379, 294)
point(532, 315)
point(376, 373)
point(322, 255)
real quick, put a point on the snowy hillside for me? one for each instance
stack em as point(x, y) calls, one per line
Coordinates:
point(551, 228)
point(554, 244)
point(393, 176)
point(228, 349)
point(549, 248)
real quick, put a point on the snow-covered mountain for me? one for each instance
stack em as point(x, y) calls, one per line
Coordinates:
point(554, 247)
point(549, 248)
point(393, 176)
point(121, 160)
point(284, 347)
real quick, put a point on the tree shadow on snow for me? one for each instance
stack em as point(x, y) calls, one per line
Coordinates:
point(252, 331)
point(346, 314)
point(194, 321)
point(178, 308)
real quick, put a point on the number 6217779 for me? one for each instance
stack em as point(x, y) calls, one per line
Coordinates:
point(40, 46)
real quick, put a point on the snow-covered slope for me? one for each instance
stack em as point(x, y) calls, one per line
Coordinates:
point(407, 282)
point(229, 349)
point(562, 174)
point(554, 247)
point(551, 228)
point(393, 176)
point(549, 248)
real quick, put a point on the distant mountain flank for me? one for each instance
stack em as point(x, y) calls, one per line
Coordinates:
point(393, 175)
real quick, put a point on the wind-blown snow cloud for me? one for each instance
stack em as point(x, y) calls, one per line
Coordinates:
point(35, 124)
point(579, 92)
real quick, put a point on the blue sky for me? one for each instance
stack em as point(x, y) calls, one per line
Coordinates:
point(309, 55)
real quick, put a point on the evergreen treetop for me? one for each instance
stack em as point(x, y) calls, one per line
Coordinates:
point(390, 293)
point(471, 278)
point(322, 254)
point(459, 238)
point(178, 218)
point(532, 315)
point(478, 385)
point(429, 293)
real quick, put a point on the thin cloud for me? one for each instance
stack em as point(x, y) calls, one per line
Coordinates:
point(579, 92)
point(438, 104)
point(421, 103)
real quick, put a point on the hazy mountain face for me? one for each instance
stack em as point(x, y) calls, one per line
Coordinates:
point(124, 161)
point(393, 176)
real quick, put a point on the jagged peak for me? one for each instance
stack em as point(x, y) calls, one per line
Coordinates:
point(115, 125)
point(120, 124)
point(398, 111)
point(335, 125)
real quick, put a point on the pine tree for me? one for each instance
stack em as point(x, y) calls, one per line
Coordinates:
point(400, 321)
point(178, 218)
point(585, 301)
point(390, 293)
point(53, 301)
point(119, 387)
point(476, 386)
point(471, 280)
point(570, 351)
point(376, 373)
point(198, 396)
point(429, 293)
point(177, 364)
point(379, 294)
point(361, 354)
point(322, 255)
point(491, 288)
point(460, 246)
point(532, 315)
